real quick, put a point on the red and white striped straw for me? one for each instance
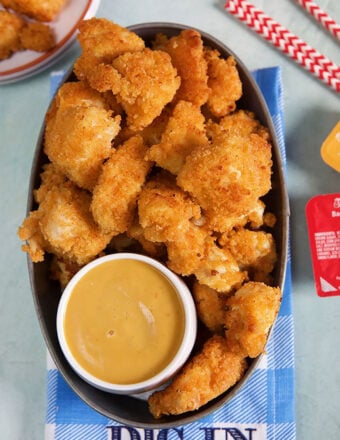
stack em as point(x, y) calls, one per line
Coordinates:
point(321, 16)
point(295, 48)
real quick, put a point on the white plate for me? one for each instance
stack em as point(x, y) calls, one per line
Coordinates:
point(26, 63)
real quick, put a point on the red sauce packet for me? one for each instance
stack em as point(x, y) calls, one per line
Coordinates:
point(323, 221)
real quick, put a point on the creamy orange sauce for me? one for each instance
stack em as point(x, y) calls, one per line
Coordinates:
point(124, 321)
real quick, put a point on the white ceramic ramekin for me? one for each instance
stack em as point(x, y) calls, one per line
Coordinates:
point(185, 348)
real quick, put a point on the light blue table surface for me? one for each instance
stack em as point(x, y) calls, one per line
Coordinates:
point(311, 111)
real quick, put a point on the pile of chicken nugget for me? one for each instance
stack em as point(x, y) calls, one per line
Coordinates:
point(24, 25)
point(148, 151)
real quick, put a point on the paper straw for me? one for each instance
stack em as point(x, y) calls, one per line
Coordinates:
point(316, 63)
point(261, 20)
point(321, 16)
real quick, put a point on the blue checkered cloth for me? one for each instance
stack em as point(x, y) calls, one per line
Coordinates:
point(262, 410)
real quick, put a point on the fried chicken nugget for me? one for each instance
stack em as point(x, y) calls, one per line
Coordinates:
point(38, 37)
point(240, 123)
point(50, 177)
point(164, 210)
point(30, 232)
point(250, 314)
point(187, 55)
point(119, 184)
point(10, 29)
point(228, 177)
point(78, 93)
point(210, 306)
point(208, 374)
point(195, 252)
point(147, 83)
point(254, 252)
point(85, 129)
point(224, 83)
point(151, 248)
point(62, 224)
point(184, 131)
point(67, 225)
point(101, 42)
point(253, 214)
point(40, 10)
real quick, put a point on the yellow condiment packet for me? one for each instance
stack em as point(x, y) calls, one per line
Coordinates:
point(330, 149)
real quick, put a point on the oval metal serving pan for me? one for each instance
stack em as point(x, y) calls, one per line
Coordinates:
point(46, 293)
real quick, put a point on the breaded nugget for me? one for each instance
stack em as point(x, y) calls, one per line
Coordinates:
point(63, 225)
point(254, 252)
point(147, 83)
point(184, 131)
point(67, 225)
point(30, 232)
point(240, 123)
point(187, 55)
point(250, 314)
point(253, 214)
point(224, 83)
point(79, 93)
point(101, 42)
point(210, 306)
point(119, 184)
point(195, 252)
point(165, 210)
point(207, 375)
point(10, 28)
point(38, 37)
point(228, 177)
point(151, 248)
point(85, 131)
point(219, 269)
point(50, 177)
point(40, 10)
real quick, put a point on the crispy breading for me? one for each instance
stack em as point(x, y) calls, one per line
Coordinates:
point(79, 93)
point(151, 248)
point(101, 42)
point(151, 133)
point(30, 232)
point(184, 131)
point(165, 210)
point(252, 215)
point(195, 252)
point(63, 225)
point(208, 374)
point(40, 10)
point(224, 83)
point(210, 306)
point(50, 177)
point(229, 176)
point(37, 36)
point(67, 225)
point(250, 314)
point(254, 252)
point(85, 131)
point(10, 29)
point(187, 55)
point(147, 83)
point(241, 123)
point(63, 271)
point(119, 184)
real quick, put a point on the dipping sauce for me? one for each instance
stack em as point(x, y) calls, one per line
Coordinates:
point(124, 321)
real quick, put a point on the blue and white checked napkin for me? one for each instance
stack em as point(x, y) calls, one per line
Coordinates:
point(262, 410)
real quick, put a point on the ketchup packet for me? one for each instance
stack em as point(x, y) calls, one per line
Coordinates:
point(323, 221)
